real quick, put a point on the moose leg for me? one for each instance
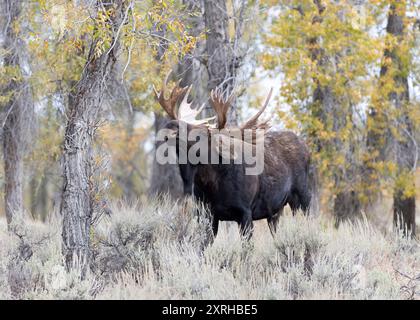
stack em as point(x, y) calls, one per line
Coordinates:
point(273, 221)
point(246, 226)
point(305, 201)
point(303, 192)
point(293, 201)
point(215, 226)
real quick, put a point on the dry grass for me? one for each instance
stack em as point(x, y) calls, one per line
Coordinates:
point(157, 250)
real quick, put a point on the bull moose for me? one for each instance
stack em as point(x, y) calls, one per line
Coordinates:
point(230, 193)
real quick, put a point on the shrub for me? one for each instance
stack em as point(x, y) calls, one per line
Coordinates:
point(160, 250)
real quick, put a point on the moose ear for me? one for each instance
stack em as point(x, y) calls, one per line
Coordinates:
point(224, 146)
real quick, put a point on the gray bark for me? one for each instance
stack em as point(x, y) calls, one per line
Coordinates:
point(224, 56)
point(39, 196)
point(83, 115)
point(404, 149)
point(380, 140)
point(346, 205)
point(17, 111)
point(189, 69)
point(219, 56)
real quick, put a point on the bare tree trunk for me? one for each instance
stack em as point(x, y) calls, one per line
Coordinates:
point(13, 164)
point(217, 21)
point(83, 115)
point(42, 199)
point(17, 111)
point(223, 54)
point(39, 197)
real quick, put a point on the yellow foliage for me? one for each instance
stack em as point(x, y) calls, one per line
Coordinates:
point(121, 143)
point(335, 51)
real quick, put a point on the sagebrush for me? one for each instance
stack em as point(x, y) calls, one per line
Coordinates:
point(159, 250)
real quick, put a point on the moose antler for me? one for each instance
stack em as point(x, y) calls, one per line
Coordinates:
point(185, 112)
point(252, 122)
point(220, 106)
point(169, 104)
point(188, 114)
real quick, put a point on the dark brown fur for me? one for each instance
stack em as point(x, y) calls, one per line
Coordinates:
point(230, 193)
point(234, 196)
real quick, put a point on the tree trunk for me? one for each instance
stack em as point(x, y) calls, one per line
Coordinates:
point(216, 22)
point(42, 199)
point(404, 205)
point(83, 115)
point(17, 111)
point(381, 145)
point(223, 58)
point(166, 178)
point(39, 196)
point(347, 205)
